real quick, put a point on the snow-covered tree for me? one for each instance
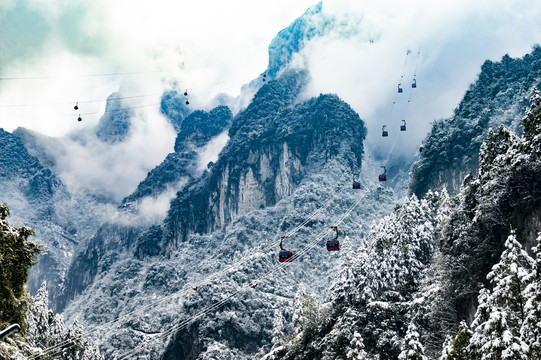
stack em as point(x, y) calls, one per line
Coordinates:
point(412, 349)
point(456, 348)
point(306, 312)
point(356, 350)
point(501, 312)
point(531, 327)
point(402, 245)
point(347, 285)
point(46, 331)
point(278, 336)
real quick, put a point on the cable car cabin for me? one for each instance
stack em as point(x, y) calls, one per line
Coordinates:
point(414, 84)
point(384, 131)
point(356, 182)
point(333, 244)
point(285, 256)
point(76, 107)
point(187, 102)
point(186, 92)
point(400, 89)
point(79, 118)
point(383, 177)
point(403, 126)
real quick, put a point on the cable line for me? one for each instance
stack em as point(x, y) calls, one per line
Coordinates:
point(207, 280)
point(278, 267)
point(220, 303)
point(46, 77)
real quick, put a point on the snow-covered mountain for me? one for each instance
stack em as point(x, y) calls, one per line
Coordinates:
point(283, 160)
point(457, 271)
point(184, 264)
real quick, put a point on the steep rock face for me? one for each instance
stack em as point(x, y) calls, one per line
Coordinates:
point(272, 143)
point(114, 125)
point(499, 96)
point(99, 254)
point(284, 161)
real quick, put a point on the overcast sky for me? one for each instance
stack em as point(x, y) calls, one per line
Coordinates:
point(54, 52)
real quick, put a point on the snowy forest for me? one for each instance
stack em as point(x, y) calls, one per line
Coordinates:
point(439, 255)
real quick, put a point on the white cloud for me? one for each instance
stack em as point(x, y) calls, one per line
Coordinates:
point(85, 163)
point(454, 39)
point(150, 210)
point(208, 46)
point(212, 46)
point(211, 150)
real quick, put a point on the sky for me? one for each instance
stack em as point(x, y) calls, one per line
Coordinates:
point(54, 53)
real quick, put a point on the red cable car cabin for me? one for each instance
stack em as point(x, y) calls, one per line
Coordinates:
point(333, 244)
point(284, 255)
point(356, 182)
point(383, 177)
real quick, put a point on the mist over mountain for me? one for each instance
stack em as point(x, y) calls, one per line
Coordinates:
point(39, 199)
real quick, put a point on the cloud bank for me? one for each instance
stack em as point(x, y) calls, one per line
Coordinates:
point(363, 57)
point(51, 50)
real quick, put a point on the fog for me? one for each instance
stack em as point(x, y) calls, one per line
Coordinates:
point(58, 52)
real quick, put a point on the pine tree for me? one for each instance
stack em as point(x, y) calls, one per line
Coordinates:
point(500, 313)
point(532, 120)
point(306, 313)
point(456, 348)
point(47, 330)
point(346, 286)
point(16, 257)
point(412, 349)
point(278, 336)
point(40, 320)
point(356, 350)
point(531, 328)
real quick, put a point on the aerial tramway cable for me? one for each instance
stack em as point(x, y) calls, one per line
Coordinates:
point(208, 279)
point(278, 267)
point(220, 303)
point(210, 308)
